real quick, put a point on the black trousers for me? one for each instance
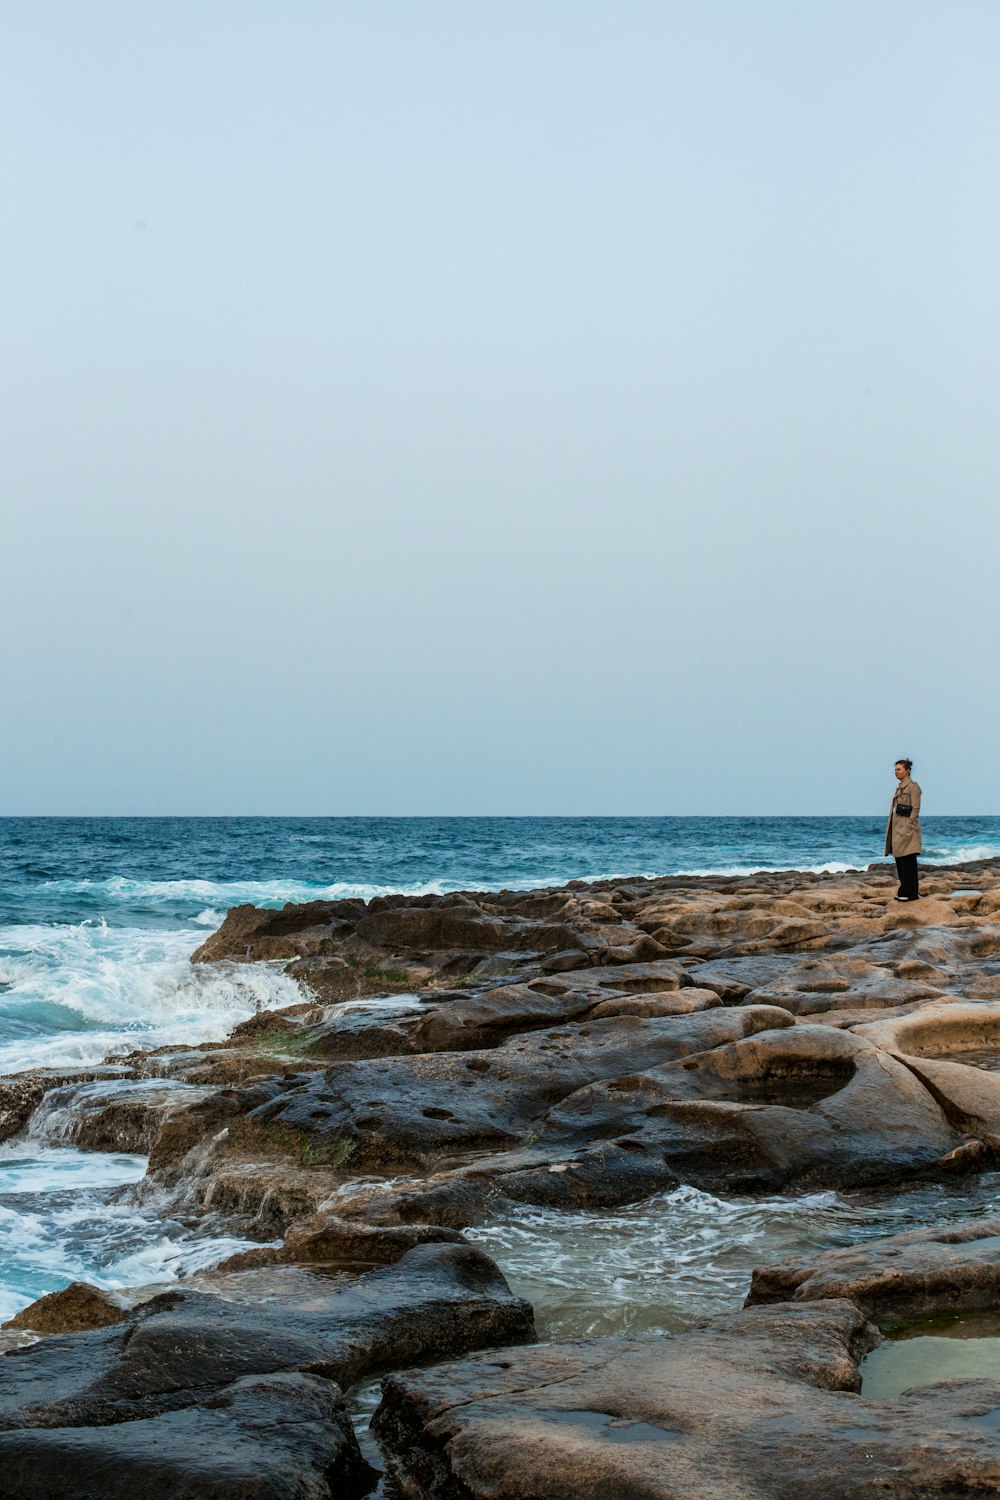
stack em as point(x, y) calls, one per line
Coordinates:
point(906, 868)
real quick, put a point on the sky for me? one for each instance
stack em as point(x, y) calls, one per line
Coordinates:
point(531, 408)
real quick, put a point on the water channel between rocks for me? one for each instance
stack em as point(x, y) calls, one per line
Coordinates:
point(683, 1256)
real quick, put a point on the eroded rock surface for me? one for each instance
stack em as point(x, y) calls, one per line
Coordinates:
point(252, 1383)
point(582, 1047)
point(761, 1404)
point(914, 1275)
point(543, 1054)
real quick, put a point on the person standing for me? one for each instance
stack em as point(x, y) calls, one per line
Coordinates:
point(902, 832)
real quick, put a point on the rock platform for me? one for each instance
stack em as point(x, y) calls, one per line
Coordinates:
point(581, 1047)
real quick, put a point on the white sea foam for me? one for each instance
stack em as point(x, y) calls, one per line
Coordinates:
point(58, 1224)
point(222, 894)
point(74, 993)
point(959, 854)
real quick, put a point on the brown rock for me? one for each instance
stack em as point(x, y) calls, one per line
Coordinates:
point(913, 1275)
point(330, 1240)
point(940, 1030)
point(675, 1003)
point(760, 1406)
point(805, 1104)
point(75, 1307)
point(403, 1113)
point(969, 1097)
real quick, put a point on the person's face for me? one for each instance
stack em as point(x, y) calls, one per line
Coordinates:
point(901, 771)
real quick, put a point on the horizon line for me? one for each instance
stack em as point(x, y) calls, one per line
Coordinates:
point(451, 817)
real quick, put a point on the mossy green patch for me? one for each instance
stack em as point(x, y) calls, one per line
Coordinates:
point(388, 976)
point(284, 1142)
point(284, 1043)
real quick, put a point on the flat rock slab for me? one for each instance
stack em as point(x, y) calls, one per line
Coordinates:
point(759, 1406)
point(817, 985)
point(404, 1113)
point(176, 1350)
point(278, 1437)
point(734, 978)
point(912, 1275)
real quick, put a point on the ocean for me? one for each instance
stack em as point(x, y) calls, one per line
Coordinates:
point(98, 918)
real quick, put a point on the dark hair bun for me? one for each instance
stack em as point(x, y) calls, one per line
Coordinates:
point(902, 761)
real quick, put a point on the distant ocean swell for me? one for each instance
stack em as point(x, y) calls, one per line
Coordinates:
point(219, 895)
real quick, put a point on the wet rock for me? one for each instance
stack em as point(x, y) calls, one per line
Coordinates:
point(397, 1114)
point(187, 1133)
point(456, 1199)
point(170, 1352)
point(913, 1275)
point(807, 1104)
point(75, 1307)
point(272, 1024)
point(220, 1066)
point(113, 1115)
point(21, 1094)
point(622, 1049)
point(332, 980)
point(260, 1198)
point(276, 1437)
point(762, 1404)
point(329, 1240)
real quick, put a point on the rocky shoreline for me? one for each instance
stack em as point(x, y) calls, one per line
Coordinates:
point(579, 1047)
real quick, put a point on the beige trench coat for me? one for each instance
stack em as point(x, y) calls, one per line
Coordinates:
point(902, 835)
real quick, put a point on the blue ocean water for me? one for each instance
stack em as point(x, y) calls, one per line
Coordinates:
point(99, 915)
point(98, 918)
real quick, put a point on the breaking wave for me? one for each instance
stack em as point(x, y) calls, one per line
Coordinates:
point(70, 994)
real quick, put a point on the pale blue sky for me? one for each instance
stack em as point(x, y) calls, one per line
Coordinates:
point(499, 408)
